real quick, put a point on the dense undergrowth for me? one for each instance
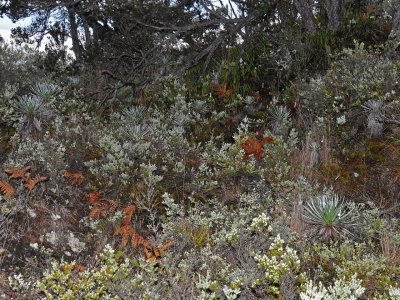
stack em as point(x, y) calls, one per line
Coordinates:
point(214, 195)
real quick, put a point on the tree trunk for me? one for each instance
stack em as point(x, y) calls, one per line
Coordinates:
point(304, 8)
point(74, 34)
point(287, 13)
point(88, 36)
point(396, 22)
point(333, 10)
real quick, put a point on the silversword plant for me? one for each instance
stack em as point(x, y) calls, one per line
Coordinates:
point(331, 216)
point(374, 109)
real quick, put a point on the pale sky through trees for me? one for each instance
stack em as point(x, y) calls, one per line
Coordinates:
point(6, 25)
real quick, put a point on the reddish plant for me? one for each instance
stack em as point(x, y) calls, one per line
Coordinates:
point(74, 178)
point(223, 92)
point(254, 147)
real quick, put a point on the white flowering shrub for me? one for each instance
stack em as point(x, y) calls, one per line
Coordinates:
point(340, 290)
point(160, 137)
point(355, 76)
point(19, 67)
point(115, 165)
point(61, 281)
point(279, 260)
point(394, 293)
point(347, 260)
point(262, 223)
point(47, 155)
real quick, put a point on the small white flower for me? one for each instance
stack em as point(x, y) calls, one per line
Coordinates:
point(341, 120)
point(51, 237)
point(75, 244)
point(31, 212)
point(34, 246)
point(55, 217)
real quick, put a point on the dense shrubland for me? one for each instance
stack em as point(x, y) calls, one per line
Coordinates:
point(273, 174)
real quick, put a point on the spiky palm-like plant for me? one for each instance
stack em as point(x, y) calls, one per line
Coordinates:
point(134, 113)
point(46, 90)
point(136, 132)
point(331, 216)
point(280, 120)
point(374, 109)
point(32, 112)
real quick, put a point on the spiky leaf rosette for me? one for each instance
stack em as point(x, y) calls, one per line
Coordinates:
point(45, 90)
point(331, 216)
point(279, 120)
point(374, 109)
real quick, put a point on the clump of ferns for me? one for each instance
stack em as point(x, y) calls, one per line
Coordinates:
point(279, 120)
point(331, 217)
point(46, 91)
point(374, 109)
point(32, 112)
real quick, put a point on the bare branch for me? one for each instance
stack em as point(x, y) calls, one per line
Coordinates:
point(194, 26)
point(393, 122)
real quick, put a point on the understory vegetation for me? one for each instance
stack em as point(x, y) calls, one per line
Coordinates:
point(275, 174)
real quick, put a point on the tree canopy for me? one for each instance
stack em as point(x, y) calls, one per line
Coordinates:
point(137, 42)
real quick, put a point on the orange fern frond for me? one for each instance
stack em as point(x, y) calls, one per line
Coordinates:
point(149, 256)
point(31, 183)
point(17, 173)
point(223, 92)
point(165, 246)
point(138, 240)
point(7, 190)
point(94, 198)
point(74, 178)
point(113, 205)
point(156, 252)
point(79, 268)
point(126, 232)
point(99, 211)
point(128, 213)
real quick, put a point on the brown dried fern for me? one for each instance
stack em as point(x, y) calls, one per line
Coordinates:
point(126, 232)
point(31, 182)
point(17, 173)
point(94, 198)
point(152, 253)
point(113, 205)
point(74, 178)
point(137, 240)
point(155, 254)
point(99, 211)
point(128, 213)
point(7, 190)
